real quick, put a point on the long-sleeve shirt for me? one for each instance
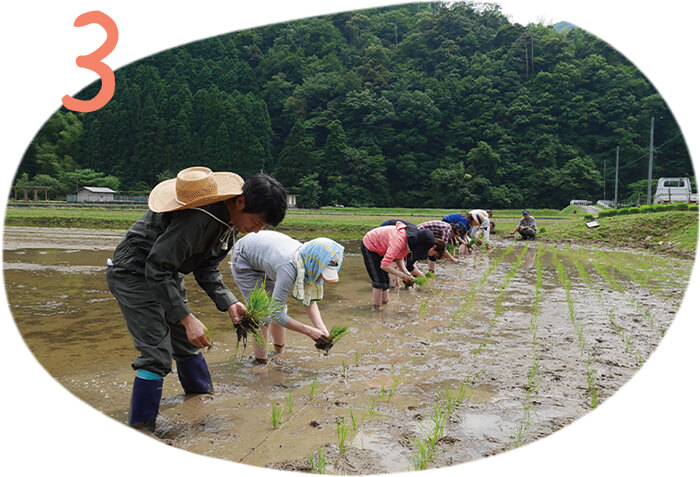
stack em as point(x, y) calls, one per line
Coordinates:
point(389, 241)
point(163, 247)
point(272, 254)
point(440, 229)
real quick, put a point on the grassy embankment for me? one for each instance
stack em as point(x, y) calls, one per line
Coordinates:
point(668, 231)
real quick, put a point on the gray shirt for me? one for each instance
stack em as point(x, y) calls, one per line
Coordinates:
point(530, 221)
point(270, 254)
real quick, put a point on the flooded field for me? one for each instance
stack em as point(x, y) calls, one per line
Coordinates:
point(498, 351)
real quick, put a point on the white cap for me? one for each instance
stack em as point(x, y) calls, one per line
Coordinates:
point(330, 273)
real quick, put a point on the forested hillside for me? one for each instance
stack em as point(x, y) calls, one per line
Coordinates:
point(424, 104)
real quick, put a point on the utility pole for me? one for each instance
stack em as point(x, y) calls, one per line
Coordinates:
point(617, 167)
point(651, 159)
point(605, 162)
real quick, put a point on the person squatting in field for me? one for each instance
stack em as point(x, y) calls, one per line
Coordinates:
point(527, 226)
point(384, 249)
point(286, 265)
point(190, 227)
point(480, 226)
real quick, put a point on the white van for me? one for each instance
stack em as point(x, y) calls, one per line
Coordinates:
point(674, 189)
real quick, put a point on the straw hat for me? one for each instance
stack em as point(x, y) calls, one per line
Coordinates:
point(194, 187)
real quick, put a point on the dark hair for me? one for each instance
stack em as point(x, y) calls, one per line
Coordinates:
point(493, 223)
point(440, 247)
point(265, 195)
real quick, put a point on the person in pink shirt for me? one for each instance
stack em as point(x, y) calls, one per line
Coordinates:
point(384, 250)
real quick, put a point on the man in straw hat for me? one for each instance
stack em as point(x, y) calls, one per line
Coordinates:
point(191, 226)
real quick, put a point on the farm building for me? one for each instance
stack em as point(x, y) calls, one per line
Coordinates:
point(96, 194)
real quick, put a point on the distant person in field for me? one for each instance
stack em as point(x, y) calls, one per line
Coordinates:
point(480, 227)
point(384, 249)
point(527, 226)
point(286, 266)
point(191, 226)
point(460, 220)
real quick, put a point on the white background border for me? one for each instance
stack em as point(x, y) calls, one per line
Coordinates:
point(649, 427)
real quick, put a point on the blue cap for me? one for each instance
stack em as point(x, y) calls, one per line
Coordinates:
point(526, 212)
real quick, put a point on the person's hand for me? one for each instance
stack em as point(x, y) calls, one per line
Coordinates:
point(236, 312)
point(454, 260)
point(196, 331)
point(314, 333)
point(409, 280)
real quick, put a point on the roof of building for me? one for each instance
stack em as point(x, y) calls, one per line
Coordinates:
point(99, 190)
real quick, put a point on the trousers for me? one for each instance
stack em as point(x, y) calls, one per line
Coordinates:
point(157, 339)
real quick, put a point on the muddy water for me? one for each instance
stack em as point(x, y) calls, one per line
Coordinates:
point(526, 370)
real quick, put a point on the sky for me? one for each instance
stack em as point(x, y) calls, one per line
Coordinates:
point(649, 427)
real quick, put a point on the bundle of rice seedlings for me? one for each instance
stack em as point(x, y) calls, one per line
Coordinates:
point(259, 305)
point(325, 343)
point(429, 275)
point(421, 280)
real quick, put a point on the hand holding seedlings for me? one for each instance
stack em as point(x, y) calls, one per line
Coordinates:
point(325, 343)
point(236, 312)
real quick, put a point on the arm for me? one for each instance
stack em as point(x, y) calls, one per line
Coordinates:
point(314, 315)
point(449, 256)
point(392, 269)
point(309, 331)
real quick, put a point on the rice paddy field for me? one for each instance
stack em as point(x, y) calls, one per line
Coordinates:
point(498, 351)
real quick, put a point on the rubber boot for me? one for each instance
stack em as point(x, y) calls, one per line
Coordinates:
point(145, 402)
point(194, 375)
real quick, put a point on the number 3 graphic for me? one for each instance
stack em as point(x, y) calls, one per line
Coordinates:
point(93, 62)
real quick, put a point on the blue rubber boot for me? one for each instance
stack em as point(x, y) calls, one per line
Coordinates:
point(145, 402)
point(194, 375)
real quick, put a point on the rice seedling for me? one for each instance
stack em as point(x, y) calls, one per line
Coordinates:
point(353, 421)
point(289, 403)
point(429, 275)
point(395, 379)
point(325, 343)
point(423, 456)
point(341, 430)
point(423, 306)
point(372, 406)
point(276, 417)
point(312, 388)
point(344, 368)
point(318, 464)
point(258, 306)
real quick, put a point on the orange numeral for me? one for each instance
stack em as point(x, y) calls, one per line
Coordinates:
point(93, 62)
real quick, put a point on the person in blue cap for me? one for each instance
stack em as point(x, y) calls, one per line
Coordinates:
point(527, 226)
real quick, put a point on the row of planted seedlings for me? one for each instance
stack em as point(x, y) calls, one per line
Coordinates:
point(640, 271)
point(348, 425)
point(499, 300)
point(611, 275)
point(533, 375)
point(445, 402)
point(591, 378)
point(625, 336)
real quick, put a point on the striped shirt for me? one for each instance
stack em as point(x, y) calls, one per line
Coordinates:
point(441, 230)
